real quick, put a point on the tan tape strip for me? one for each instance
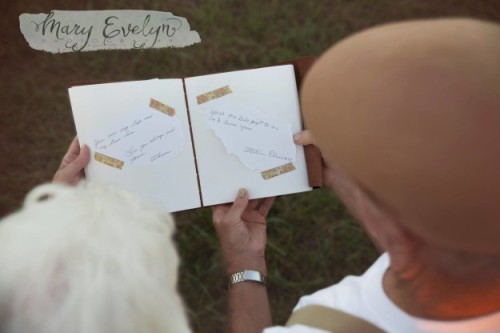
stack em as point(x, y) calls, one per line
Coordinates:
point(213, 94)
point(267, 174)
point(157, 105)
point(112, 162)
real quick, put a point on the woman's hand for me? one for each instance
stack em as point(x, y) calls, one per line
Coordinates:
point(70, 171)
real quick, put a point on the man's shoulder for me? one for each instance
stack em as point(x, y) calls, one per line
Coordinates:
point(293, 329)
point(347, 294)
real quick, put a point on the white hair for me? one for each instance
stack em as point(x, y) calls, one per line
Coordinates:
point(89, 259)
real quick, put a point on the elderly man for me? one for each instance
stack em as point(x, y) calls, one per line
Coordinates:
point(407, 117)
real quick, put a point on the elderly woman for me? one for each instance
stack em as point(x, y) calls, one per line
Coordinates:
point(88, 258)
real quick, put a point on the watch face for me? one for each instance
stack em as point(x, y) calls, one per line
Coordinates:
point(246, 275)
point(252, 276)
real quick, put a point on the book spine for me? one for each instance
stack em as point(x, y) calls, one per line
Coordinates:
point(192, 142)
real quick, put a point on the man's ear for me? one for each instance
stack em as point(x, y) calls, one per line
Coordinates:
point(387, 234)
point(382, 227)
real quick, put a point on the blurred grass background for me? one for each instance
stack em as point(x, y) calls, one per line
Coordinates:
point(313, 242)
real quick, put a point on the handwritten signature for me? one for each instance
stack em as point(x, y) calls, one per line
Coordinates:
point(255, 151)
point(159, 155)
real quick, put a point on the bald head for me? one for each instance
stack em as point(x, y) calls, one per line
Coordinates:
point(411, 111)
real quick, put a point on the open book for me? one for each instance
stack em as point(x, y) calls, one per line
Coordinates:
point(193, 142)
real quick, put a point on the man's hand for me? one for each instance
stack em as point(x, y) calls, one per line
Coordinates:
point(241, 228)
point(333, 177)
point(305, 138)
point(71, 170)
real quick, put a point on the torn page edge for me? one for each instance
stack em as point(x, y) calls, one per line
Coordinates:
point(163, 108)
point(208, 96)
point(112, 162)
point(274, 172)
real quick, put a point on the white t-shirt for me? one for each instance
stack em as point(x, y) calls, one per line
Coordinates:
point(364, 296)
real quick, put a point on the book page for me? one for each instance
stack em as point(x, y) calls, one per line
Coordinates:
point(243, 124)
point(139, 138)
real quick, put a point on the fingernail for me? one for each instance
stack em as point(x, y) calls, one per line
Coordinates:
point(242, 192)
point(296, 138)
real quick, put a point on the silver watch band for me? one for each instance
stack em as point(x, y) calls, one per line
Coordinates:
point(247, 275)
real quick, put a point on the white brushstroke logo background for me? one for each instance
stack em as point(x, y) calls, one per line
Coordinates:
point(73, 31)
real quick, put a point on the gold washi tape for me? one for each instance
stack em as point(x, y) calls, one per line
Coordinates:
point(267, 174)
point(163, 108)
point(112, 162)
point(213, 94)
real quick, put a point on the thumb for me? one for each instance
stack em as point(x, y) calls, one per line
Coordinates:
point(83, 159)
point(240, 204)
point(80, 162)
point(303, 138)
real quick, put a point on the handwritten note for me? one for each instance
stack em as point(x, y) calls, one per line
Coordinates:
point(257, 139)
point(143, 137)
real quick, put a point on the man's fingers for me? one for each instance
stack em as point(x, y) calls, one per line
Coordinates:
point(253, 203)
point(238, 207)
point(266, 205)
point(218, 212)
point(303, 138)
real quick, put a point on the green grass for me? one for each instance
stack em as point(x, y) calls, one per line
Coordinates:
point(313, 242)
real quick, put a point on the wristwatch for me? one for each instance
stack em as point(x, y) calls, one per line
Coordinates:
point(247, 275)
